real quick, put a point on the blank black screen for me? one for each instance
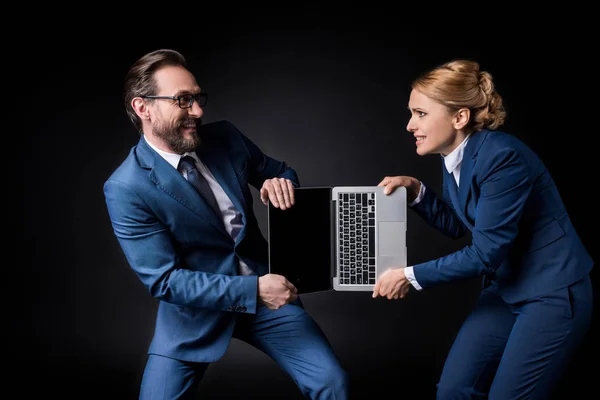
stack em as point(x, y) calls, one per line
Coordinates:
point(300, 240)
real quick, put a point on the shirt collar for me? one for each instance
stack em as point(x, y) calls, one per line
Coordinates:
point(452, 161)
point(171, 158)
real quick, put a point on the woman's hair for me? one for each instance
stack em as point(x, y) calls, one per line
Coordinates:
point(460, 84)
point(139, 81)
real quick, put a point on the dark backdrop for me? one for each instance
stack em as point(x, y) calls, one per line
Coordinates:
point(329, 100)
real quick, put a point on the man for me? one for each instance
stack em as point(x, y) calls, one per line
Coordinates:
point(181, 208)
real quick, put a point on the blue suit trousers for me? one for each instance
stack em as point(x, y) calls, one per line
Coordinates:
point(288, 335)
point(517, 351)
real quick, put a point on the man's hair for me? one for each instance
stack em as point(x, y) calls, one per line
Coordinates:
point(139, 81)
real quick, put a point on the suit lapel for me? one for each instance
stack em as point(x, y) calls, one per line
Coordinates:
point(223, 171)
point(466, 168)
point(453, 192)
point(171, 182)
point(452, 189)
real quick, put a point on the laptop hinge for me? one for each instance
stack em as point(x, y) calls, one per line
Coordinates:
point(334, 238)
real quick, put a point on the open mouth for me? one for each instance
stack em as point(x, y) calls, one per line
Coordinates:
point(189, 125)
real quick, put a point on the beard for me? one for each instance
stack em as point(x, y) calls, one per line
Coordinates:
point(174, 139)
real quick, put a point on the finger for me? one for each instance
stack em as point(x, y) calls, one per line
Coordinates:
point(382, 284)
point(398, 293)
point(291, 192)
point(272, 188)
point(285, 193)
point(384, 181)
point(278, 187)
point(390, 187)
point(271, 193)
point(265, 191)
point(264, 196)
point(405, 291)
point(383, 289)
point(376, 289)
point(290, 286)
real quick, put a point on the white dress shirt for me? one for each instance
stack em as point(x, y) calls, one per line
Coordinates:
point(232, 218)
point(452, 162)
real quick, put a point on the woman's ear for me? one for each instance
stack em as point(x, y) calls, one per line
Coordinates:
point(461, 118)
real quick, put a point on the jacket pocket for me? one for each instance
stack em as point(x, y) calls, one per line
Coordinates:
point(545, 235)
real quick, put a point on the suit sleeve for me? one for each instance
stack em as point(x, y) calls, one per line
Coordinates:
point(504, 184)
point(150, 251)
point(440, 214)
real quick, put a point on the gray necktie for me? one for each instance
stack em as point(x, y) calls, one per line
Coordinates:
point(188, 164)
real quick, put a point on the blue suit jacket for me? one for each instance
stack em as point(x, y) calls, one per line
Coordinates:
point(523, 241)
point(179, 248)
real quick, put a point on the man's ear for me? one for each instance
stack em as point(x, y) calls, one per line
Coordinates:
point(461, 118)
point(140, 107)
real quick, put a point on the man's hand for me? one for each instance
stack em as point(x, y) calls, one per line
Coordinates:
point(392, 284)
point(412, 185)
point(280, 191)
point(276, 291)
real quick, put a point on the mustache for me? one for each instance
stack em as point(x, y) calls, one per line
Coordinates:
point(190, 121)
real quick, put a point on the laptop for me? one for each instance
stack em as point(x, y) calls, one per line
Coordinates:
point(338, 238)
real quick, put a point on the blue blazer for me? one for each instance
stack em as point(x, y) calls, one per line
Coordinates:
point(523, 242)
point(179, 248)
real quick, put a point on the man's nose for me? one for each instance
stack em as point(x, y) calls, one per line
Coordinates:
point(195, 110)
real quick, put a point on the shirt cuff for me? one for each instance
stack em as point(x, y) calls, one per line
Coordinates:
point(420, 196)
point(410, 275)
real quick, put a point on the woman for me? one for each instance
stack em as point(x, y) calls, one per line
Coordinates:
point(536, 303)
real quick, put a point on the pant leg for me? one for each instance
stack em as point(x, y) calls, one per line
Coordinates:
point(477, 349)
point(546, 335)
point(169, 379)
point(298, 345)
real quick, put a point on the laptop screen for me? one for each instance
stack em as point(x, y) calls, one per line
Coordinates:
point(300, 240)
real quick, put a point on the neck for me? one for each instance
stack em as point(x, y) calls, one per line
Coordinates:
point(156, 141)
point(458, 139)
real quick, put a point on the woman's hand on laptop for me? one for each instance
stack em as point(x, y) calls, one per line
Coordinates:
point(279, 191)
point(392, 284)
point(412, 185)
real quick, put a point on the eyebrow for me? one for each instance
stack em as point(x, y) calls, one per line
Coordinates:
point(180, 92)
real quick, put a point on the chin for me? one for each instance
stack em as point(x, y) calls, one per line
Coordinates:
point(421, 151)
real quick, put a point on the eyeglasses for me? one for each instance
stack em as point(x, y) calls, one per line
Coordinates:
point(184, 100)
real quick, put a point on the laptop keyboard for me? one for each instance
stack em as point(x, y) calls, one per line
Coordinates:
point(356, 222)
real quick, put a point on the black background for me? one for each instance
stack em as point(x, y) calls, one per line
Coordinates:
point(329, 97)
